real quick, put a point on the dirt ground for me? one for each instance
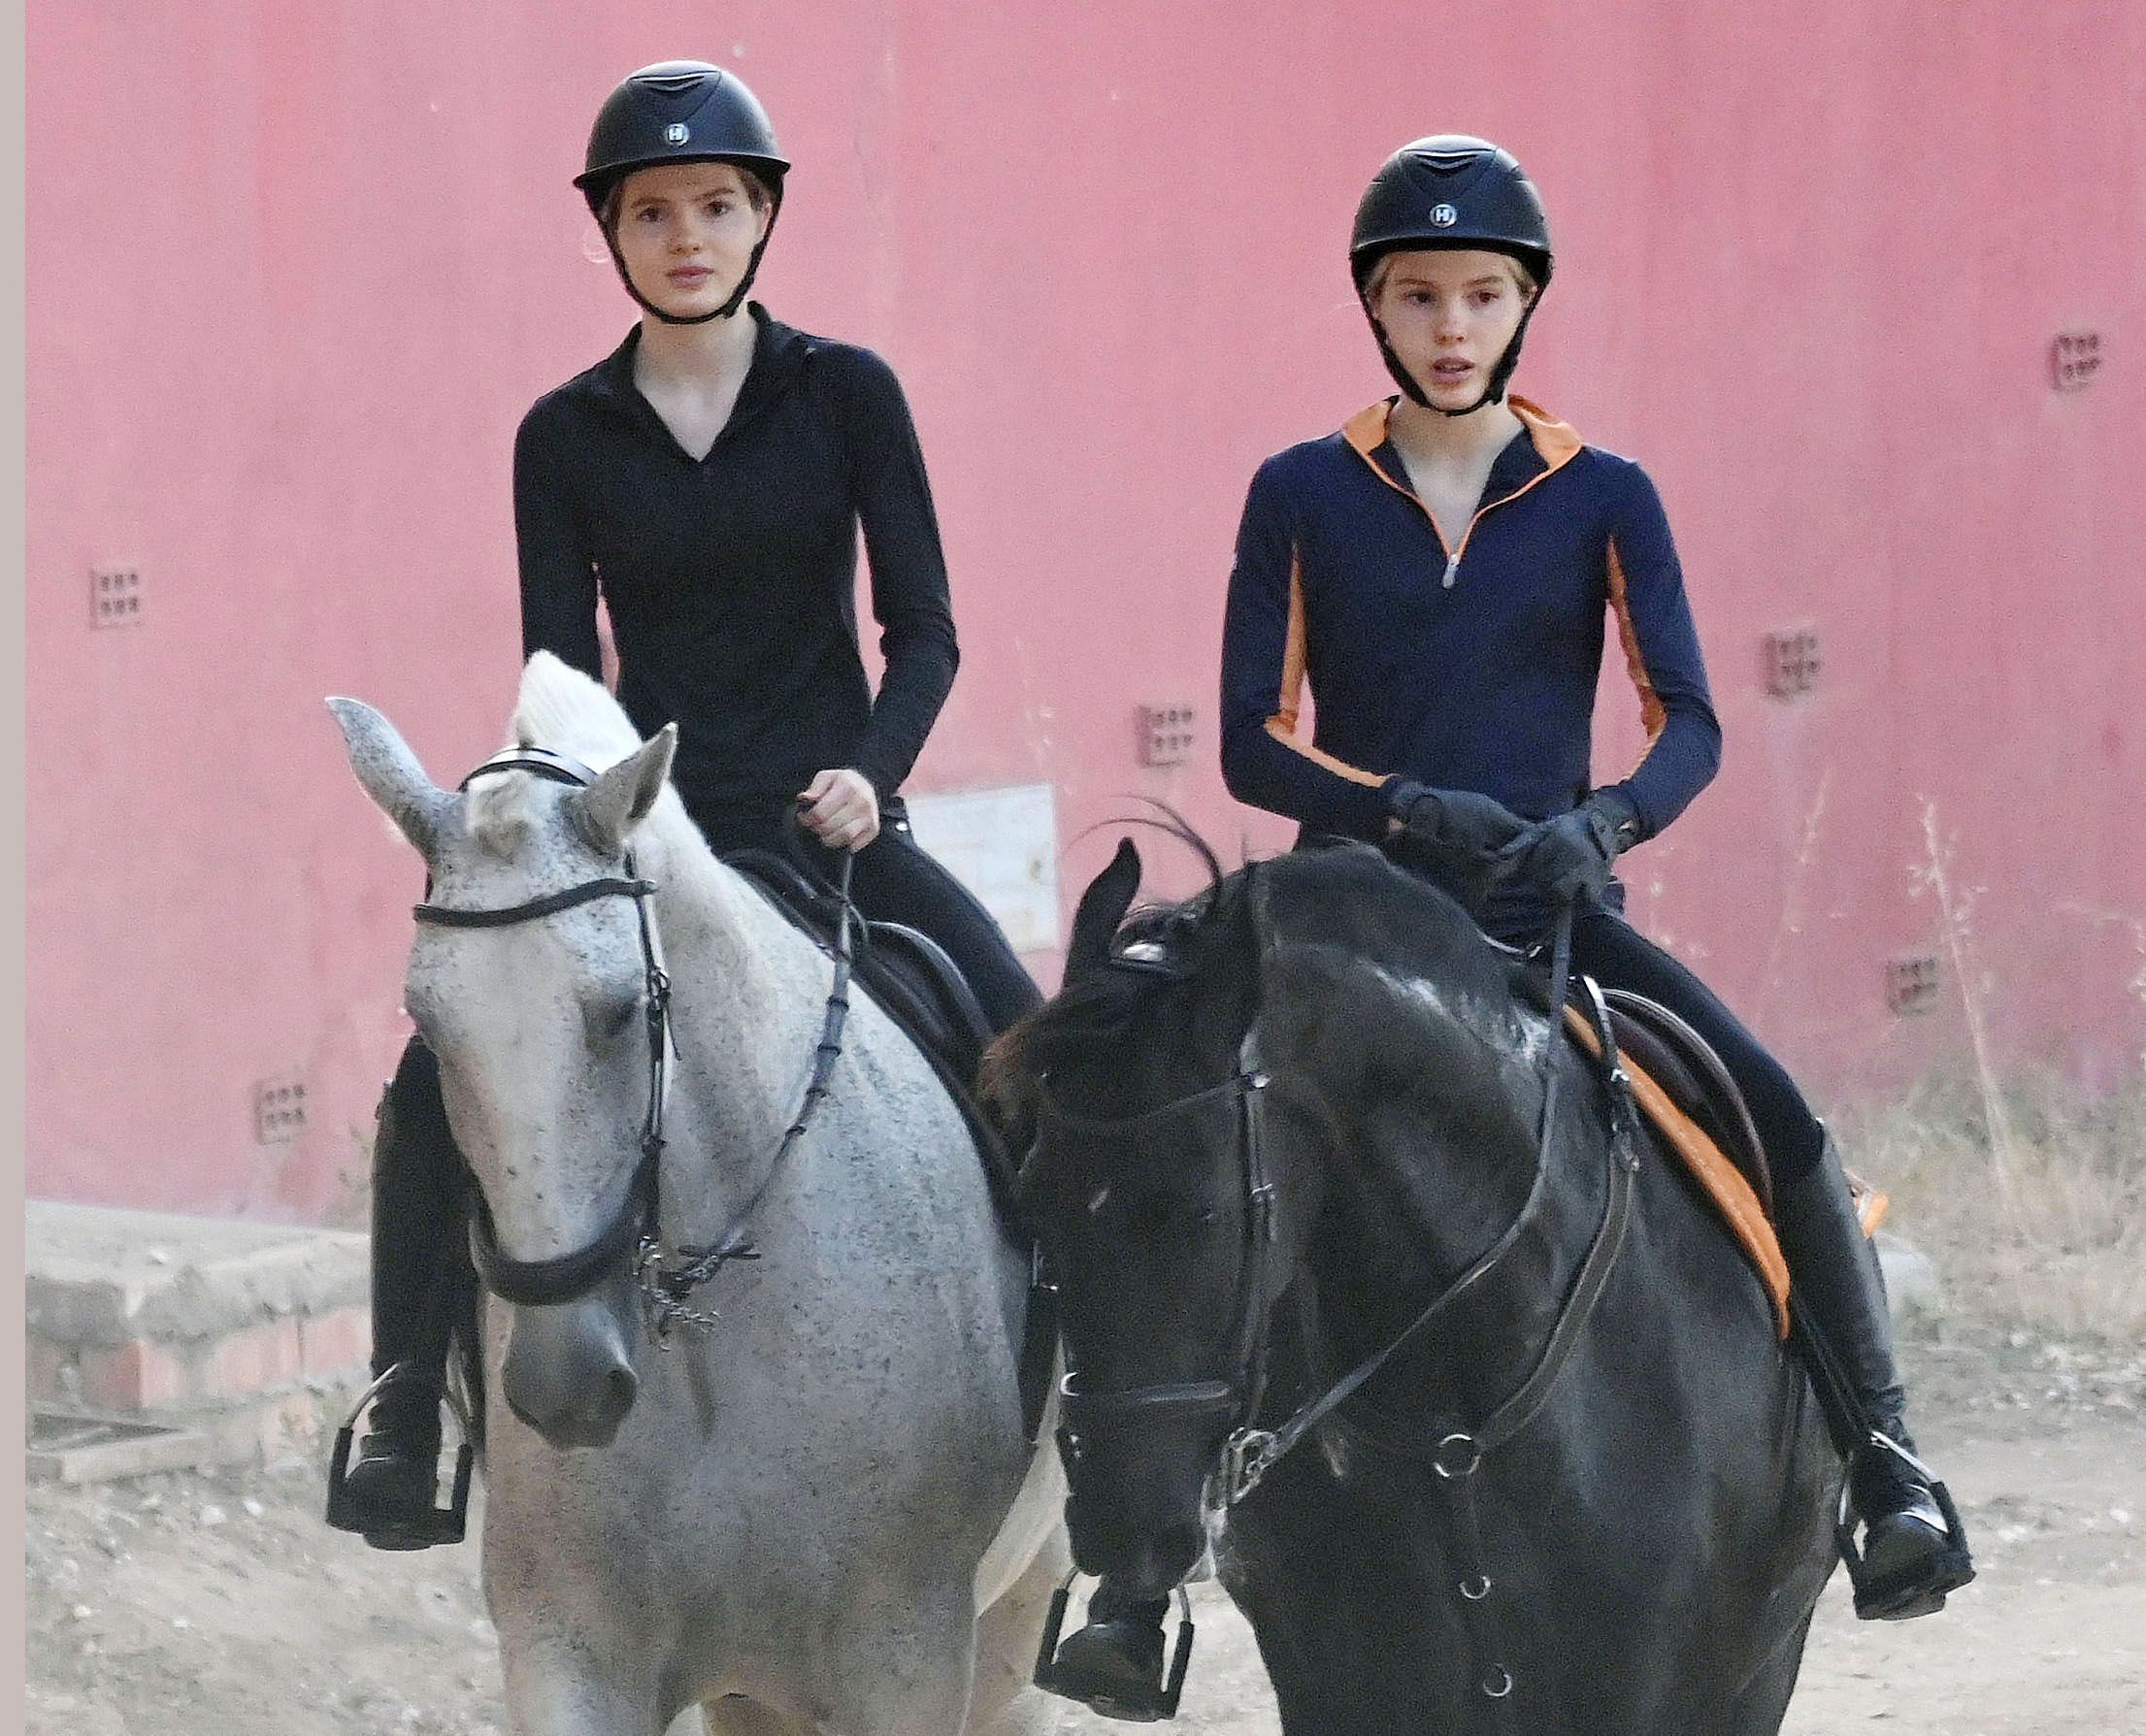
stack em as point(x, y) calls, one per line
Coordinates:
point(218, 1605)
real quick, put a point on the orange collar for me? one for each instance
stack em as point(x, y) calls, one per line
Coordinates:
point(1555, 441)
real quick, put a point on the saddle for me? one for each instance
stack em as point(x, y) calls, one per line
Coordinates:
point(1687, 1094)
point(911, 977)
point(1693, 1077)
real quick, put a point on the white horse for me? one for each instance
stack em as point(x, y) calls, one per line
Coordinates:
point(817, 1514)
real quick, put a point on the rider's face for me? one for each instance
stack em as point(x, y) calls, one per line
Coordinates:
point(686, 232)
point(1450, 315)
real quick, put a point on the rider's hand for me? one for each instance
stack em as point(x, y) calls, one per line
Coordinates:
point(1568, 857)
point(1454, 838)
point(841, 809)
point(1457, 823)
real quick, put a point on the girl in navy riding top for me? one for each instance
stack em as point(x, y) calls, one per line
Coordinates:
point(1444, 575)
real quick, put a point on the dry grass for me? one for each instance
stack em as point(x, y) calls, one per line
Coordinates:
point(2063, 1247)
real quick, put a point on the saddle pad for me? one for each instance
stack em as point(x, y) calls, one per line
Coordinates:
point(1720, 1180)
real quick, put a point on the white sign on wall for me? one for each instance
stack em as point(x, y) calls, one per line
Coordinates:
point(1002, 845)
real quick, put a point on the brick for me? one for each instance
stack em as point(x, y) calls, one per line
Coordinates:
point(252, 1360)
point(135, 1376)
point(337, 1343)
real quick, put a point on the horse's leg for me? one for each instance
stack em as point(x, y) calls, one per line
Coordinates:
point(904, 1667)
point(553, 1691)
point(1004, 1703)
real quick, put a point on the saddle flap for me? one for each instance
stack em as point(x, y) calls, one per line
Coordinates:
point(1698, 1082)
point(1720, 1180)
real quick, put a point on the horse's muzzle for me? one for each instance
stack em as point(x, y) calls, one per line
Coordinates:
point(569, 1373)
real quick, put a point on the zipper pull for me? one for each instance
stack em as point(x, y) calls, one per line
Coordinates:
point(1452, 570)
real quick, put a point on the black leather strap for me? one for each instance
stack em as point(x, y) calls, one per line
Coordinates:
point(447, 917)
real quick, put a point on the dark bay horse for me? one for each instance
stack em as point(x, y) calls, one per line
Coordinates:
point(1273, 1124)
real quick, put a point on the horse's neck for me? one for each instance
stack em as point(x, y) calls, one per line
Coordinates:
point(1433, 1157)
point(743, 984)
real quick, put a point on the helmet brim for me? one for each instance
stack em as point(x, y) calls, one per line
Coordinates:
point(1367, 254)
point(769, 169)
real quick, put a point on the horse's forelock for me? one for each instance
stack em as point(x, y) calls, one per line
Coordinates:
point(561, 708)
point(502, 812)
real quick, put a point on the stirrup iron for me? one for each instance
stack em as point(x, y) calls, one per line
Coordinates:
point(441, 1525)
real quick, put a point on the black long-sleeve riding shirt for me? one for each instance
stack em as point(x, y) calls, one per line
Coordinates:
point(731, 580)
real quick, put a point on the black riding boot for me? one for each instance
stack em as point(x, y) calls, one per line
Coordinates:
point(417, 1257)
point(1913, 1550)
point(1114, 1665)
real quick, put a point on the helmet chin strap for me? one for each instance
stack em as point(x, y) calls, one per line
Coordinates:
point(1494, 390)
point(737, 296)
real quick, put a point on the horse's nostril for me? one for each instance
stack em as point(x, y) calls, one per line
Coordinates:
point(619, 1387)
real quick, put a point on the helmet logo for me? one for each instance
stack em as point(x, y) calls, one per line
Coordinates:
point(677, 133)
point(1444, 217)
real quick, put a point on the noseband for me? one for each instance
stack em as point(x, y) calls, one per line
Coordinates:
point(634, 1235)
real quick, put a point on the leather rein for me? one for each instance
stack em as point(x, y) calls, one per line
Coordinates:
point(664, 1277)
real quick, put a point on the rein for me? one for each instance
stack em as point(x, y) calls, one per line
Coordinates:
point(664, 1277)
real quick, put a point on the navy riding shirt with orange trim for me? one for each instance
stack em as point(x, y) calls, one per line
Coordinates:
point(1469, 669)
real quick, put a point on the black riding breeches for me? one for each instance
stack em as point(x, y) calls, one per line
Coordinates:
point(1615, 954)
point(896, 880)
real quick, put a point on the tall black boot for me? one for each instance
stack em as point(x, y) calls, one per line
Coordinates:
point(419, 1264)
point(1913, 1550)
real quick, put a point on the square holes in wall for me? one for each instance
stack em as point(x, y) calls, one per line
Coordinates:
point(116, 595)
point(279, 1109)
point(1166, 734)
point(1911, 982)
point(1792, 661)
point(2074, 358)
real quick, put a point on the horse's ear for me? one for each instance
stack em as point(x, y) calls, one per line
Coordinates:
point(1103, 906)
point(391, 774)
point(620, 799)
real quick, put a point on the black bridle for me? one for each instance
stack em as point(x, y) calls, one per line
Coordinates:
point(633, 1237)
point(1087, 1411)
point(1455, 1452)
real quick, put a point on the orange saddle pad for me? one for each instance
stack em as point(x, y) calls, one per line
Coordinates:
point(1720, 1180)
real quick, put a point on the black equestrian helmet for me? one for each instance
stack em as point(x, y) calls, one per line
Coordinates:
point(679, 111)
point(1451, 191)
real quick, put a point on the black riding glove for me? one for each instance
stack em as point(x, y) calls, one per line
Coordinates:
point(1458, 821)
point(1568, 857)
point(1460, 836)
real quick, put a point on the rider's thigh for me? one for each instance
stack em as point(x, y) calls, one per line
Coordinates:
point(1616, 955)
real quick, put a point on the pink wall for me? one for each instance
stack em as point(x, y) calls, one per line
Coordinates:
point(295, 271)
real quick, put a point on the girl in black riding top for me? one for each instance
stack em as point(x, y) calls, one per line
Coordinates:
point(707, 481)
point(1438, 573)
